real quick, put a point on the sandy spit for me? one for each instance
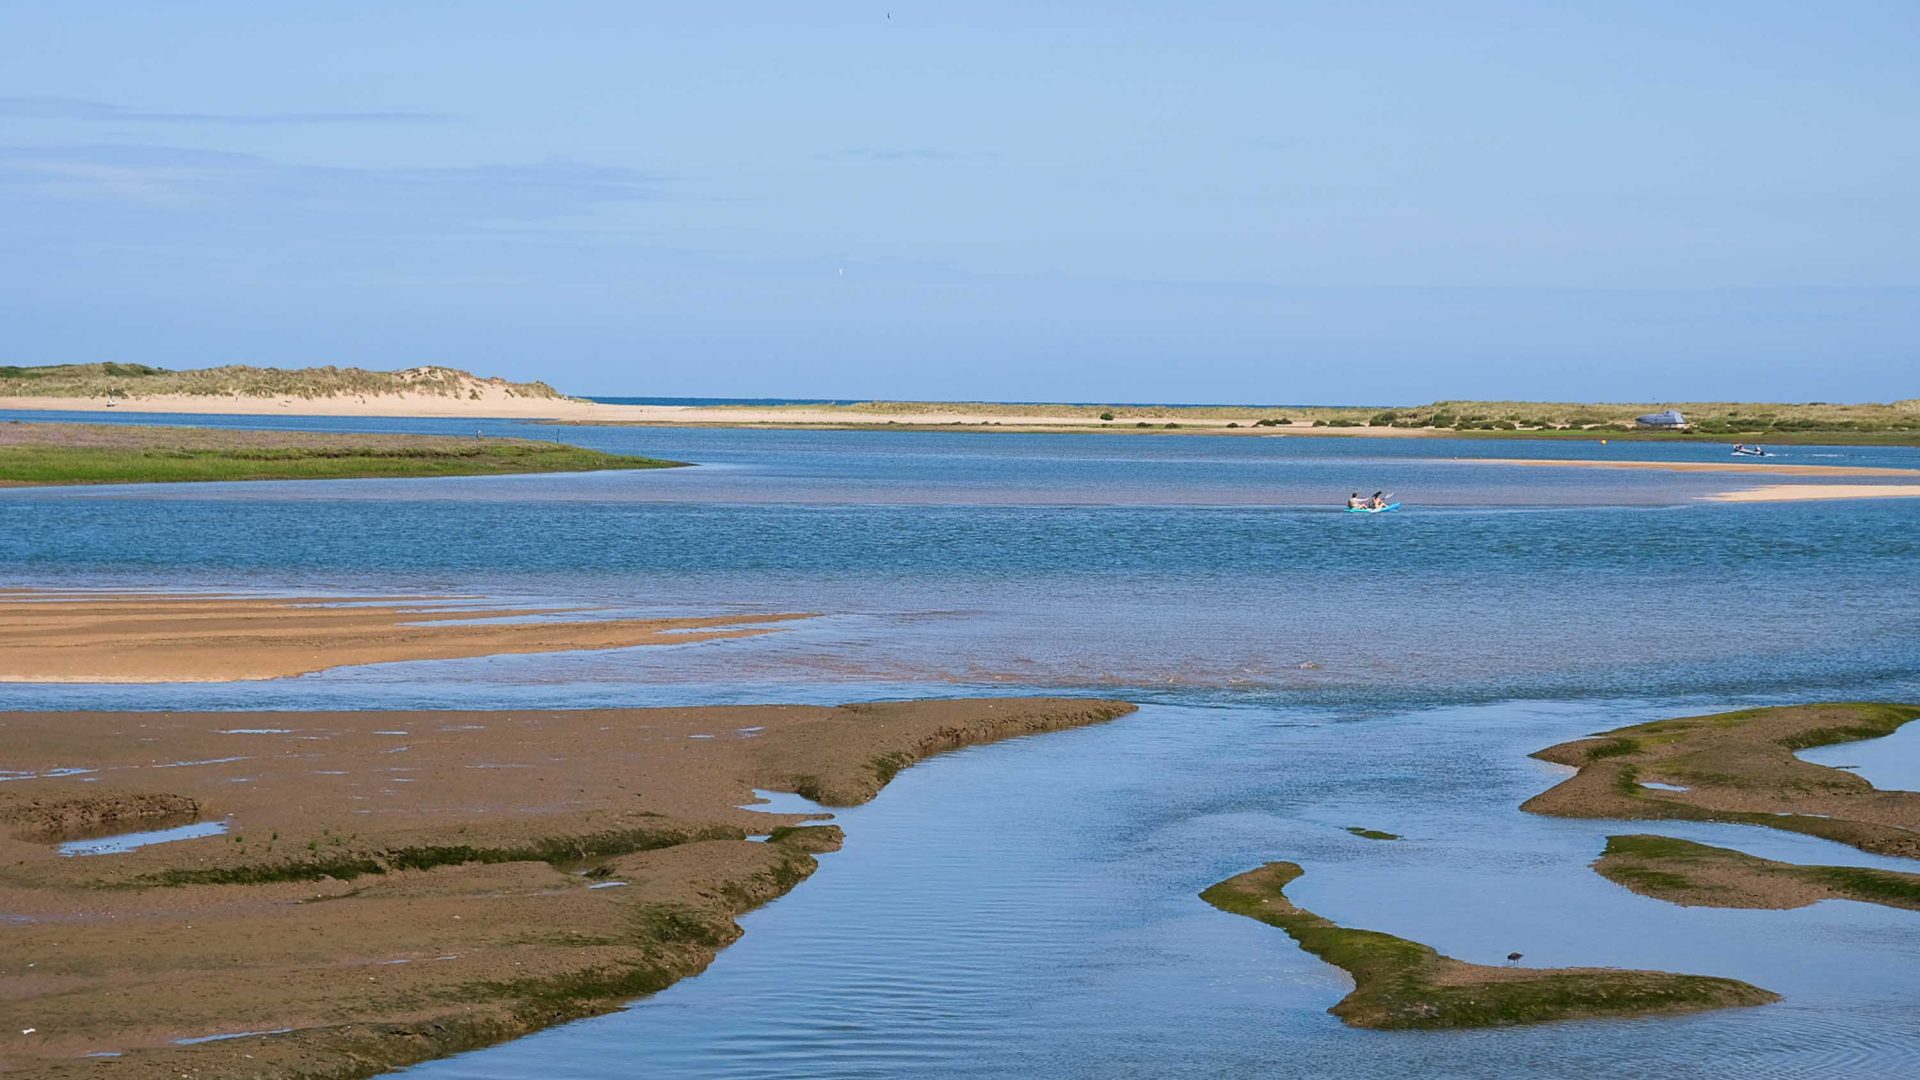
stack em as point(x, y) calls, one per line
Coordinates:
point(1761, 467)
point(1800, 492)
point(143, 638)
point(397, 886)
point(500, 406)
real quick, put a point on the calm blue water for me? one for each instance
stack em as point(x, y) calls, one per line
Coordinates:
point(1028, 909)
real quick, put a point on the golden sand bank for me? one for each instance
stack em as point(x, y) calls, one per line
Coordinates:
point(1800, 492)
point(149, 638)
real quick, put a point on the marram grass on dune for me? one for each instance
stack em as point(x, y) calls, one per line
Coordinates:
point(243, 380)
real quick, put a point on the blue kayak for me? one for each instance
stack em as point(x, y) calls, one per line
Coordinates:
point(1372, 510)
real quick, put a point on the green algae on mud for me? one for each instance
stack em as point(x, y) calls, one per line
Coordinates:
point(1400, 984)
point(1740, 767)
point(346, 866)
point(661, 942)
point(57, 453)
point(1371, 834)
point(1700, 875)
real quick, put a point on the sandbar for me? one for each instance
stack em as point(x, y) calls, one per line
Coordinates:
point(1763, 493)
point(1803, 492)
point(396, 886)
point(1701, 875)
point(1403, 984)
point(1740, 767)
point(1765, 467)
point(148, 638)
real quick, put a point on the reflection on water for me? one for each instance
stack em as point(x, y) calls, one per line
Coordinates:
point(1891, 763)
point(785, 802)
point(1162, 562)
point(1030, 908)
point(224, 1036)
point(133, 841)
point(1470, 603)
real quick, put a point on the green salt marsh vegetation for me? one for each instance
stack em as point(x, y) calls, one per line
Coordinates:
point(55, 453)
point(1404, 984)
point(1740, 767)
point(1701, 875)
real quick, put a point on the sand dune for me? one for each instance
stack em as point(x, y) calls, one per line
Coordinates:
point(578, 410)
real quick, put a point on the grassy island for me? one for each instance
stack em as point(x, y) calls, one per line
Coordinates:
point(1741, 767)
point(1404, 984)
point(1700, 875)
point(53, 453)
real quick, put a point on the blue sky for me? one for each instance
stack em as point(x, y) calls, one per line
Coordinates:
point(1379, 202)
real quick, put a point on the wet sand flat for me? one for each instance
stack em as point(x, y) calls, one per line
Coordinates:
point(395, 886)
point(1804, 492)
point(147, 638)
point(1764, 493)
point(1741, 767)
point(1761, 466)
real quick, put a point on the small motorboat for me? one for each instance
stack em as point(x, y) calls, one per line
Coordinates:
point(1750, 451)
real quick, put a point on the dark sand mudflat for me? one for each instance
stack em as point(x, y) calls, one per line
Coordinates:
point(1741, 767)
point(395, 886)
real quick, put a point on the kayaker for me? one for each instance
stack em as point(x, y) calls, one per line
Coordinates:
point(1378, 502)
point(1355, 502)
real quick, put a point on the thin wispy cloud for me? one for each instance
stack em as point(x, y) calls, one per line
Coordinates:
point(179, 186)
point(893, 153)
point(78, 109)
